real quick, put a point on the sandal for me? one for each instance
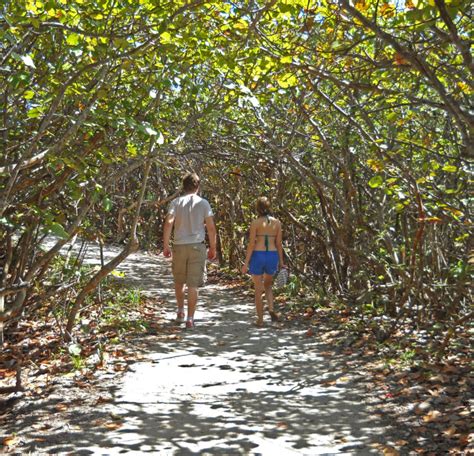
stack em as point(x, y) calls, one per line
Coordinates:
point(180, 317)
point(274, 316)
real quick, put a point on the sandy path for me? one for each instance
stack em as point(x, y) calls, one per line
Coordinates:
point(226, 387)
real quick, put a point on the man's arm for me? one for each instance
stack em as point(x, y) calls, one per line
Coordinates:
point(167, 228)
point(212, 234)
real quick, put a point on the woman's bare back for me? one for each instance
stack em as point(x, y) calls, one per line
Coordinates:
point(267, 229)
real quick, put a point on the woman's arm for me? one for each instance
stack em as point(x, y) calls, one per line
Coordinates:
point(250, 246)
point(279, 246)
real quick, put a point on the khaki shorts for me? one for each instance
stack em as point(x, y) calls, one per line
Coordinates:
point(189, 264)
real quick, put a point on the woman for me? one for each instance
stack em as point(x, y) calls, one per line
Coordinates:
point(264, 256)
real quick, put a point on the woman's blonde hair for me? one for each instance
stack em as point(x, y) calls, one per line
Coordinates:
point(263, 206)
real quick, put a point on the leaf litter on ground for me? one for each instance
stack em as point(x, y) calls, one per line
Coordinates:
point(431, 398)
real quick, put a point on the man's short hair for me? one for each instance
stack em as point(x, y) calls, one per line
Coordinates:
point(190, 182)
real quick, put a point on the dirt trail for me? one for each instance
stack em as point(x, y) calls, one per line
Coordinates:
point(225, 388)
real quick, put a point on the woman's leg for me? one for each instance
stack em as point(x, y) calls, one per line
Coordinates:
point(258, 285)
point(267, 284)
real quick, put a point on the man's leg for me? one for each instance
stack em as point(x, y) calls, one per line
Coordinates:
point(179, 292)
point(192, 301)
point(179, 276)
point(195, 278)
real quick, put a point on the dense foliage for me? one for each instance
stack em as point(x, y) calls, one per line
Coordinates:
point(353, 116)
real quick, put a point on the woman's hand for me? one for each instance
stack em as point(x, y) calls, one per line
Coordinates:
point(245, 269)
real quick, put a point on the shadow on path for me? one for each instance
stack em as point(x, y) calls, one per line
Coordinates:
point(225, 388)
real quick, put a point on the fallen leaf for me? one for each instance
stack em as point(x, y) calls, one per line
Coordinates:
point(465, 439)
point(10, 441)
point(434, 415)
point(422, 407)
point(119, 353)
point(282, 425)
point(61, 407)
point(113, 425)
point(359, 343)
point(440, 378)
point(450, 369)
point(401, 442)
point(385, 449)
point(4, 373)
point(390, 451)
point(450, 432)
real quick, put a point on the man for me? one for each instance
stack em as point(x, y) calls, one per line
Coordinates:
point(190, 215)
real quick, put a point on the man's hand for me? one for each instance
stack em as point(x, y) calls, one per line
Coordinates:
point(211, 253)
point(167, 252)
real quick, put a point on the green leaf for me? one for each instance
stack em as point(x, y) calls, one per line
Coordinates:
point(392, 116)
point(376, 181)
point(117, 273)
point(165, 37)
point(29, 94)
point(287, 80)
point(132, 149)
point(107, 203)
point(58, 230)
point(34, 113)
point(450, 168)
point(73, 39)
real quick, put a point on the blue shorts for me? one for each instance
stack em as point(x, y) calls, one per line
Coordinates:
point(263, 262)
